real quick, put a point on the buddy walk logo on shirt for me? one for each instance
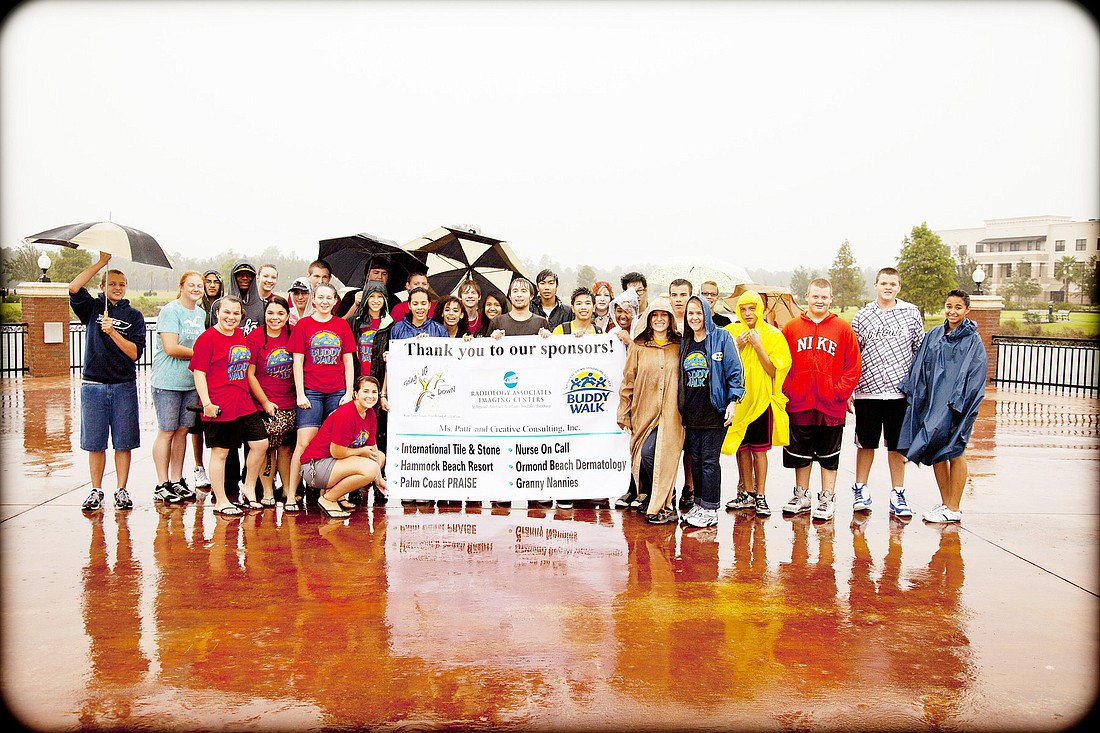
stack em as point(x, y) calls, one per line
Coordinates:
point(239, 359)
point(324, 348)
point(695, 365)
point(279, 364)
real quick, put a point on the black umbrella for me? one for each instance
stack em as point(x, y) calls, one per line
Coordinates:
point(454, 255)
point(106, 236)
point(353, 256)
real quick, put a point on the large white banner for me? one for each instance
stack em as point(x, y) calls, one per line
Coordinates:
point(519, 418)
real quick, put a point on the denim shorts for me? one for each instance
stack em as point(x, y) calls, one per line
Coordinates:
point(170, 407)
point(321, 405)
point(109, 409)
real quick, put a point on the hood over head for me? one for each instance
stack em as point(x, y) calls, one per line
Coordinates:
point(750, 296)
point(658, 304)
point(362, 313)
point(628, 301)
point(253, 289)
point(708, 318)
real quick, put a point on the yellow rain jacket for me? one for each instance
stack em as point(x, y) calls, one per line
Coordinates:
point(761, 391)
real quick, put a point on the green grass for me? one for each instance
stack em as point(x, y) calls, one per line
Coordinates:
point(1081, 324)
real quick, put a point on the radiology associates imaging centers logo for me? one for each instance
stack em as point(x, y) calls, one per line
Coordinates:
point(588, 391)
point(510, 394)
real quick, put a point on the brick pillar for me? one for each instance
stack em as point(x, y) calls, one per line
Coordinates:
point(985, 310)
point(46, 311)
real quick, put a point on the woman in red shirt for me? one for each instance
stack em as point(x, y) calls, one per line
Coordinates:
point(271, 379)
point(323, 348)
point(344, 454)
point(219, 360)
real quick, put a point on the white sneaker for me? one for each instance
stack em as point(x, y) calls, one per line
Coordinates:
point(826, 507)
point(898, 505)
point(942, 515)
point(702, 517)
point(799, 503)
point(202, 481)
point(695, 509)
point(861, 498)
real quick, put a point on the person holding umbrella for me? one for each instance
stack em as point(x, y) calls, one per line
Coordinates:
point(108, 389)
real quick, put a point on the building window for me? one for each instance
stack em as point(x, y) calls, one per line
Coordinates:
point(1015, 247)
point(1059, 245)
point(962, 250)
point(1080, 245)
point(1039, 267)
point(1005, 270)
point(981, 247)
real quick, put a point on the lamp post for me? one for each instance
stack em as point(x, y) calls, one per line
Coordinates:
point(44, 264)
point(979, 277)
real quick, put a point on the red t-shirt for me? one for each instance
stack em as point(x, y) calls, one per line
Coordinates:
point(224, 360)
point(343, 427)
point(324, 346)
point(274, 366)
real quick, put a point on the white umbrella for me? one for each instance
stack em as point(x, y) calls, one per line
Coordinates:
point(106, 236)
point(698, 269)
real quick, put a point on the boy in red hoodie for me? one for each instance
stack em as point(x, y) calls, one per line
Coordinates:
point(824, 371)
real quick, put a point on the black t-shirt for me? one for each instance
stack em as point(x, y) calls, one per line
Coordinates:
point(695, 374)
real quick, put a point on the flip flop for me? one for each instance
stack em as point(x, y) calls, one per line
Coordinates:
point(334, 513)
point(291, 506)
point(267, 503)
point(245, 503)
point(347, 505)
point(229, 511)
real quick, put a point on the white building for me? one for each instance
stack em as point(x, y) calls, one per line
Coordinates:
point(1038, 242)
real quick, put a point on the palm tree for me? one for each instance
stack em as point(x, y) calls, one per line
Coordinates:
point(1065, 270)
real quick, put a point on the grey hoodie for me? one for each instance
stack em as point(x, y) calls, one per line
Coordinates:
point(253, 315)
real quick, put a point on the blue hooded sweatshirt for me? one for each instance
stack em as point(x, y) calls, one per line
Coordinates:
point(727, 377)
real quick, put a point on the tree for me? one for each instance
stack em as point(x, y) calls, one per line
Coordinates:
point(1085, 274)
point(845, 277)
point(964, 271)
point(1021, 287)
point(586, 275)
point(1066, 270)
point(68, 263)
point(20, 265)
point(927, 269)
point(800, 281)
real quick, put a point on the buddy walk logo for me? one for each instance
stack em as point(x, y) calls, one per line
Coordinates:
point(588, 391)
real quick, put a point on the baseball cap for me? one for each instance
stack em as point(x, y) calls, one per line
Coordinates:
point(302, 284)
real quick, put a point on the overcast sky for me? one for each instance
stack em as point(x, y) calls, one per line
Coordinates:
point(598, 133)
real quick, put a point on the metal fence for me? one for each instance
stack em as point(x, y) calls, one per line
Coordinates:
point(13, 336)
point(1063, 364)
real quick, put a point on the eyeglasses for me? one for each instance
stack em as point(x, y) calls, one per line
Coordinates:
point(709, 295)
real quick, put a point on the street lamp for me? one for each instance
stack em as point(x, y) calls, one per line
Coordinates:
point(979, 277)
point(44, 264)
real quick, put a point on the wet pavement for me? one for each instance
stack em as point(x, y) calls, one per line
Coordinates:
point(421, 618)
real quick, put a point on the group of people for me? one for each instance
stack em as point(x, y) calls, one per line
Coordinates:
point(300, 383)
point(694, 389)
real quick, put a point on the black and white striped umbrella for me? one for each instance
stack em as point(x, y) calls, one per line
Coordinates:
point(454, 254)
point(106, 236)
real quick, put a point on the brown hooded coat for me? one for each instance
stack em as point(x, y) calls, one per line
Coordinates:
point(648, 399)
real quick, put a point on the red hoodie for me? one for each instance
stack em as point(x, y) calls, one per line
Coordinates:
point(825, 365)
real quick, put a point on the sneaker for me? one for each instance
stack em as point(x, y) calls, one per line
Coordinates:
point(942, 515)
point(898, 505)
point(799, 503)
point(743, 500)
point(182, 490)
point(93, 502)
point(122, 500)
point(641, 501)
point(702, 518)
point(762, 508)
point(565, 504)
point(666, 515)
point(695, 509)
point(164, 492)
point(624, 501)
point(202, 481)
point(862, 498)
point(687, 498)
point(826, 507)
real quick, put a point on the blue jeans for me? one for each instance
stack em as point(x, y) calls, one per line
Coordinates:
point(705, 447)
point(171, 408)
point(321, 405)
point(109, 409)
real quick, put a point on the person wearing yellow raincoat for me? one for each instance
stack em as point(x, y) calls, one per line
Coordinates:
point(761, 418)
